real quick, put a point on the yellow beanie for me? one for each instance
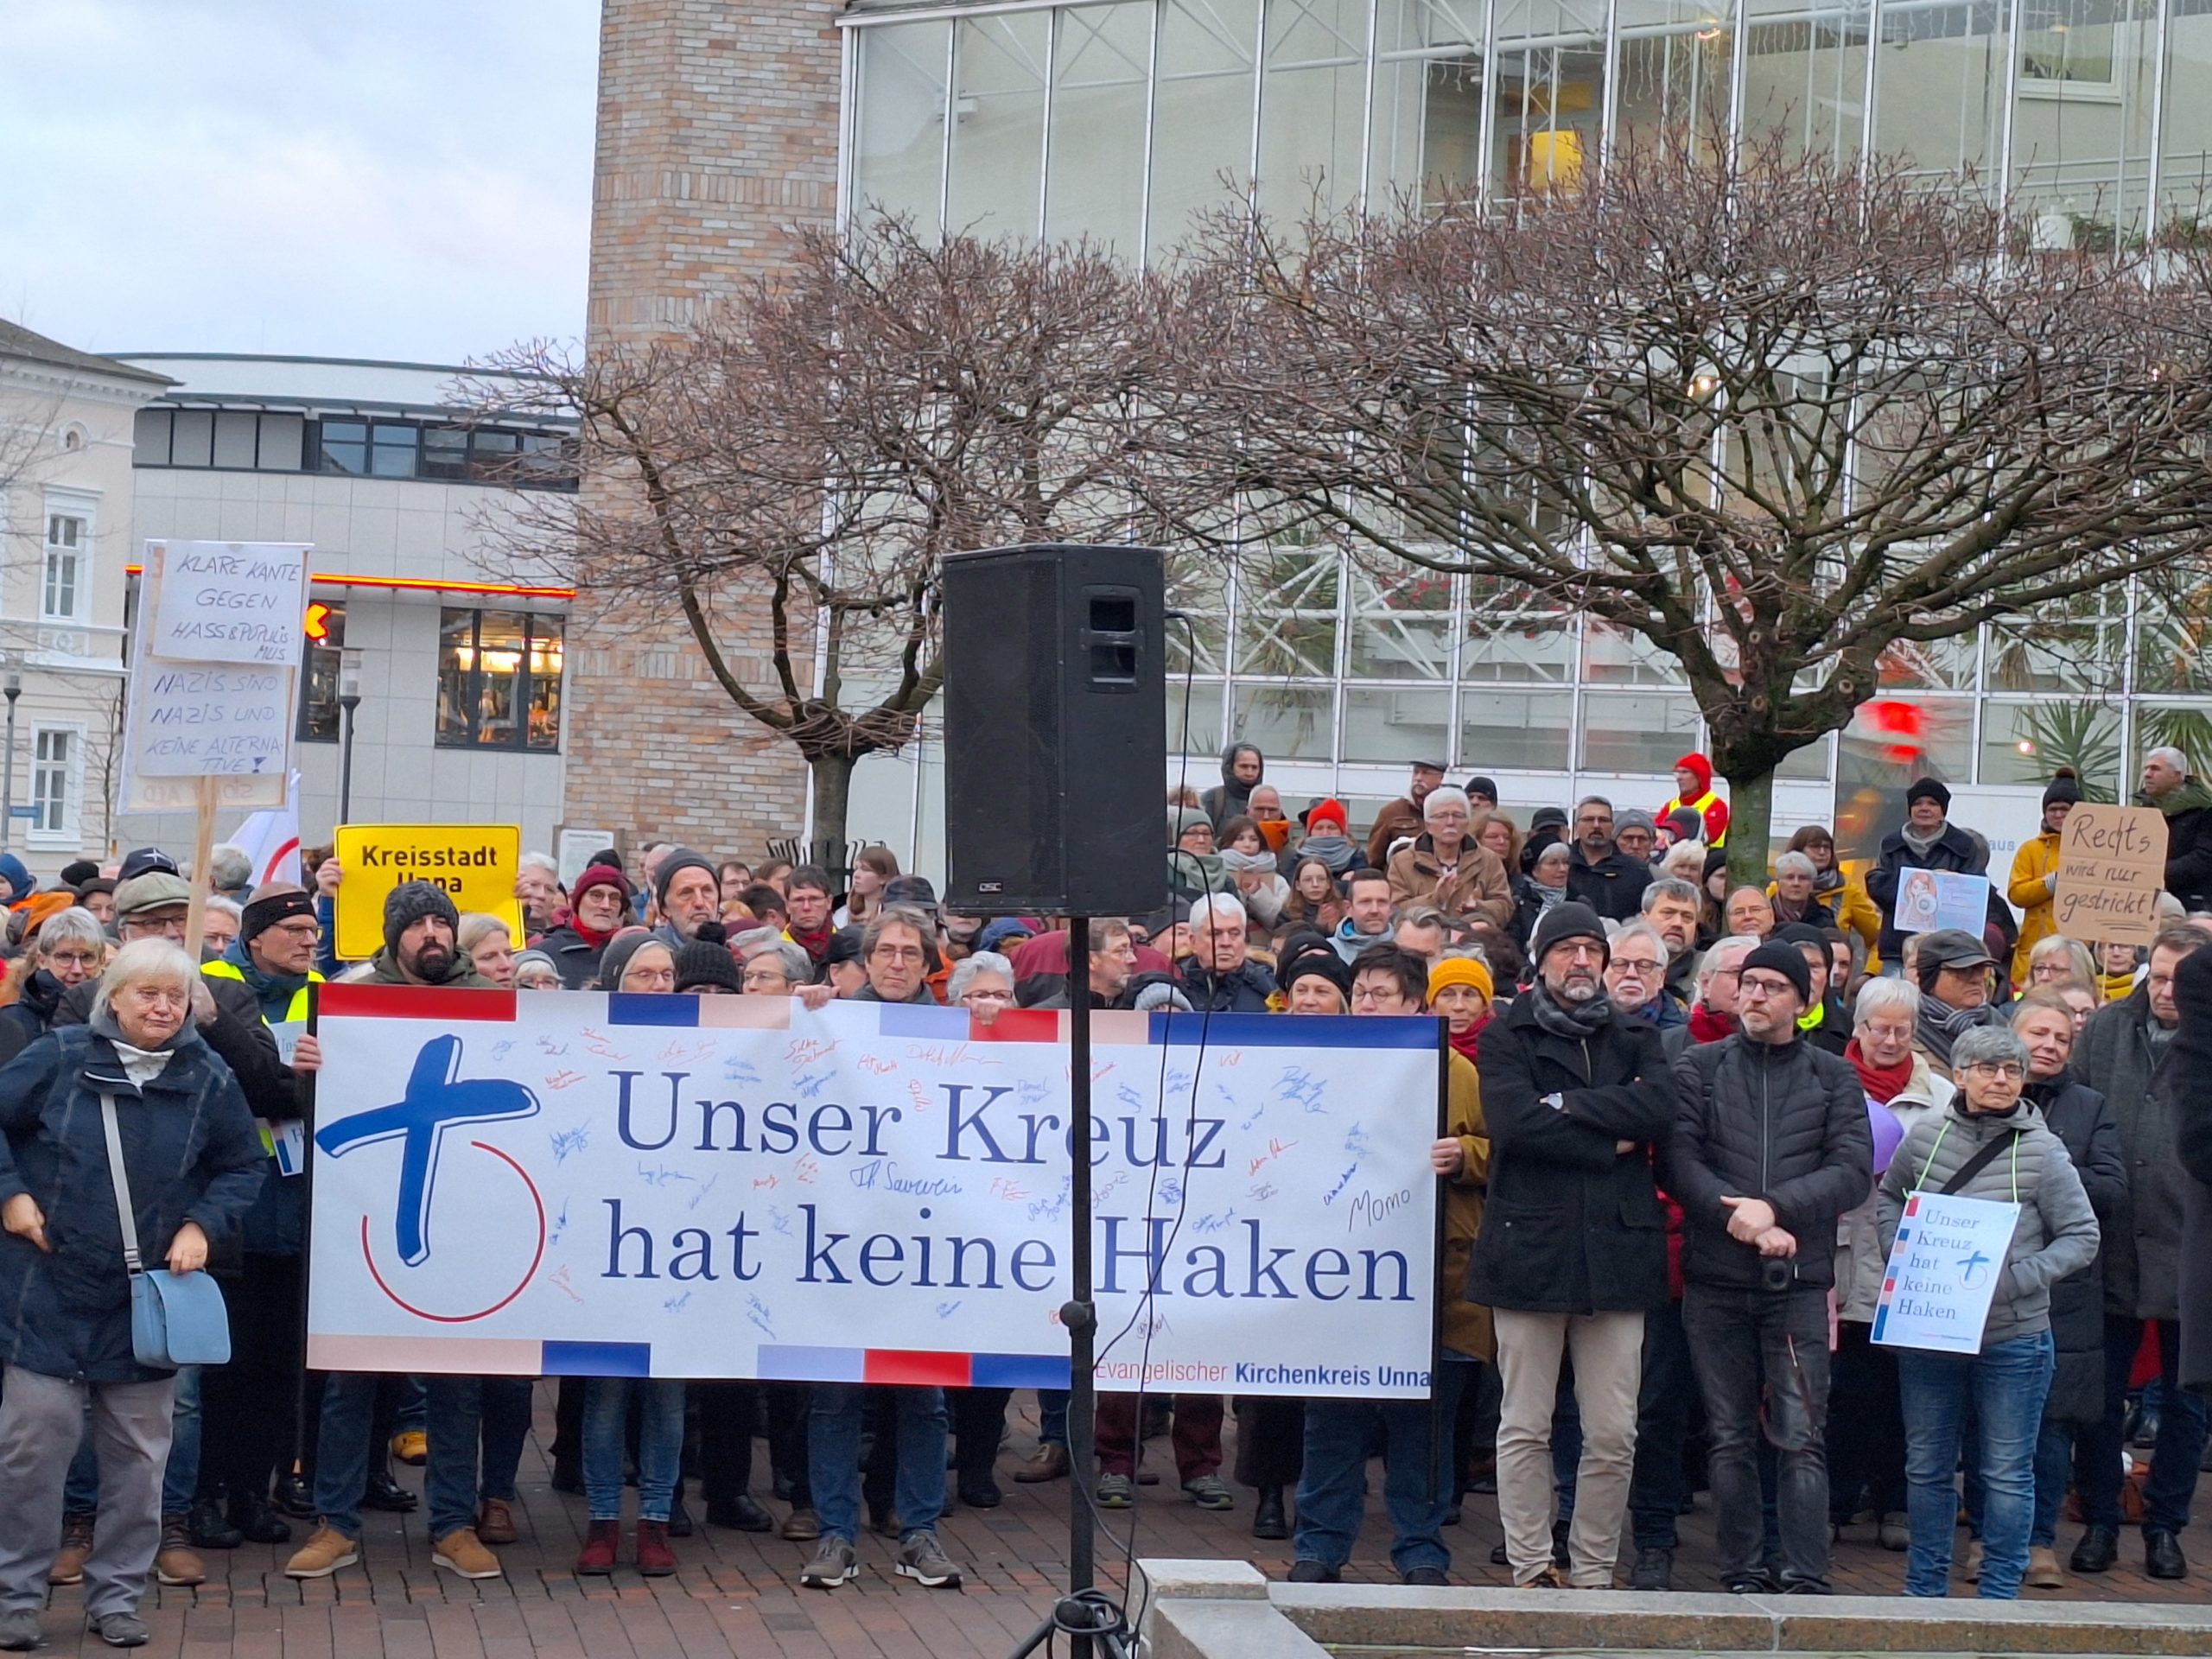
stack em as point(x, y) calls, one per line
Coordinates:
point(1460, 971)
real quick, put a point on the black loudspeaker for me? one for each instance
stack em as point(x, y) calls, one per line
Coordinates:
point(1055, 730)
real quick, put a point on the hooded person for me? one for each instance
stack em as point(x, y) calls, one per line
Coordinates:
point(1194, 868)
point(1242, 766)
point(599, 908)
point(1694, 789)
point(19, 882)
point(1327, 839)
point(2033, 889)
point(420, 942)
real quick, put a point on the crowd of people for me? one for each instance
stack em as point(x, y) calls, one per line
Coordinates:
point(1684, 1120)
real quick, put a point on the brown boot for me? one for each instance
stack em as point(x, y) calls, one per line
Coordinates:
point(176, 1561)
point(76, 1544)
point(655, 1559)
point(1047, 1462)
point(495, 1521)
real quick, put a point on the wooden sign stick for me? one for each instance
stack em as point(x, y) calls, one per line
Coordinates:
point(203, 850)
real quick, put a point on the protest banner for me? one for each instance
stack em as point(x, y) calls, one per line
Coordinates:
point(1942, 1273)
point(573, 848)
point(1928, 899)
point(2112, 862)
point(475, 864)
point(229, 602)
point(574, 1183)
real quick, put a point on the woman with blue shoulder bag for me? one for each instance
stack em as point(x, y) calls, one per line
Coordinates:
point(125, 1134)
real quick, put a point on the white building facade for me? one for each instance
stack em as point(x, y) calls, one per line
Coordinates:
point(460, 718)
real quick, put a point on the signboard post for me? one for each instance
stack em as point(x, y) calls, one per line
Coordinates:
point(2112, 862)
point(475, 864)
point(215, 657)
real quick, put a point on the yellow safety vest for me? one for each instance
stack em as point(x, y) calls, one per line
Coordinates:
point(1697, 806)
point(296, 1009)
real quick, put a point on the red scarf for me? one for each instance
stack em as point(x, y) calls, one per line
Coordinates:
point(1468, 1041)
point(592, 936)
point(1882, 1083)
point(1707, 1027)
point(816, 945)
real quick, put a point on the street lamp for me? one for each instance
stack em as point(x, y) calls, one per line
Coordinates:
point(12, 687)
point(349, 699)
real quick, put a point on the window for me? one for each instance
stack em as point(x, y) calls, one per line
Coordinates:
point(391, 450)
point(345, 447)
point(54, 782)
point(319, 707)
point(500, 680)
point(471, 454)
point(62, 593)
point(238, 439)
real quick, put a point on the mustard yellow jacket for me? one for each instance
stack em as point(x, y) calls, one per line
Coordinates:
point(2030, 893)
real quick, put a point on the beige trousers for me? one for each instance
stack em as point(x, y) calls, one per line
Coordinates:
point(1608, 1354)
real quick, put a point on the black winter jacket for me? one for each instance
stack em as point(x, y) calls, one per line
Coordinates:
point(1613, 886)
point(1243, 990)
point(1953, 850)
point(1785, 1124)
point(28, 1018)
point(2191, 1057)
point(1572, 1225)
point(575, 957)
point(2078, 1116)
point(2140, 1254)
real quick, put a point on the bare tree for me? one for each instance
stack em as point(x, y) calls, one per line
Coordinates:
point(1771, 415)
point(789, 473)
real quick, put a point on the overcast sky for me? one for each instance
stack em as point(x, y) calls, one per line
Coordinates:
point(399, 179)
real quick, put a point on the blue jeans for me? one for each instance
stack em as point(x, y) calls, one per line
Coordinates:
point(507, 1428)
point(833, 1456)
point(2007, 1382)
point(453, 1412)
point(2172, 1484)
point(2053, 1466)
point(660, 1443)
point(1051, 1416)
point(80, 1494)
point(1417, 1483)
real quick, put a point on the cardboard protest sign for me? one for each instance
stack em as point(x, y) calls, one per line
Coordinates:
point(1928, 899)
point(229, 602)
point(2112, 862)
point(1942, 1273)
point(574, 1183)
point(475, 864)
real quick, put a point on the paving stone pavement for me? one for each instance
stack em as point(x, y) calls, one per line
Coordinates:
point(738, 1594)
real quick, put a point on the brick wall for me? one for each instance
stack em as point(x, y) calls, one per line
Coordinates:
point(717, 137)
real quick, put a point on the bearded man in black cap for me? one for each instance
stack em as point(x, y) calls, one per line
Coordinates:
point(1572, 1248)
point(1770, 1146)
point(1928, 841)
point(420, 925)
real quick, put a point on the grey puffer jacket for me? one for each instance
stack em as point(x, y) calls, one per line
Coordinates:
point(1787, 1124)
point(2142, 1251)
point(2058, 1230)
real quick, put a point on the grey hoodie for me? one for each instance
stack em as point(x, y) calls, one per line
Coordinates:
point(2057, 1229)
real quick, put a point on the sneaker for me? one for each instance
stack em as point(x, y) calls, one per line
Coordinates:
point(833, 1564)
point(922, 1561)
point(1433, 1577)
point(1653, 1570)
point(2042, 1569)
point(655, 1559)
point(19, 1630)
point(802, 1525)
point(1047, 1462)
point(603, 1545)
point(76, 1544)
point(1115, 1492)
point(411, 1445)
point(495, 1521)
point(322, 1554)
point(1896, 1531)
point(462, 1551)
point(176, 1562)
point(119, 1629)
point(1303, 1571)
point(1210, 1492)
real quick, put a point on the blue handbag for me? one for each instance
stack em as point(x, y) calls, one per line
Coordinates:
point(176, 1318)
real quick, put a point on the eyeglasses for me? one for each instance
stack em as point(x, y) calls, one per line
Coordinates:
point(896, 953)
point(2009, 1069)
point(650, 979)
point(988, 996)
point(1764, 988)
point(1637, 965)
point(765, 980)
point(1375, 993)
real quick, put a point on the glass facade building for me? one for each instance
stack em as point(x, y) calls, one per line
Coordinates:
point(1122, 120)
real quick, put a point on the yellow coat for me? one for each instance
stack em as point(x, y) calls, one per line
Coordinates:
point(1467, 1327)
point(2029, 892)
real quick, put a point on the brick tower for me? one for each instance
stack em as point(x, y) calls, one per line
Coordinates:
point(717, 137)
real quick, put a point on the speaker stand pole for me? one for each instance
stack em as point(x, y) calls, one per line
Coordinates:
point(1080, 1317)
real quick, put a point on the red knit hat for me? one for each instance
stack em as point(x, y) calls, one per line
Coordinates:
point(600, 875)
point(1330, 811)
